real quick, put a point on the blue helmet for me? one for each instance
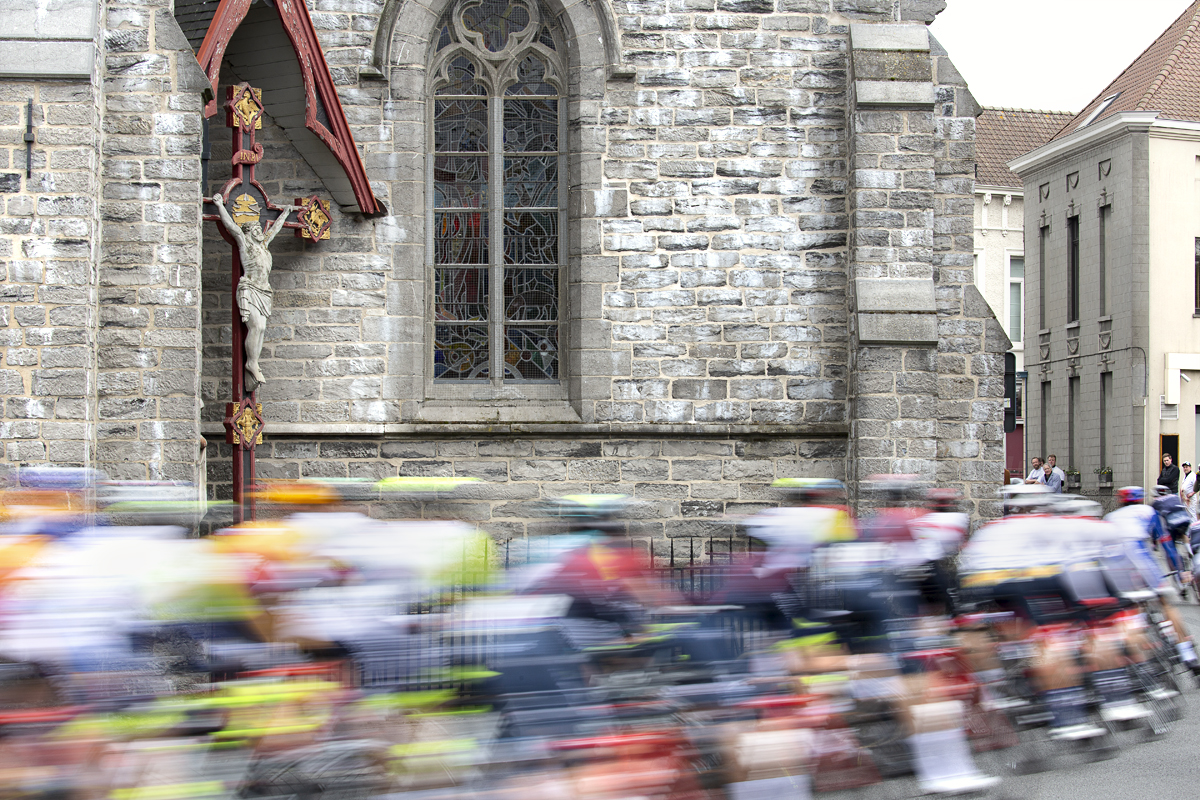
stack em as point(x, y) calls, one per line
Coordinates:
point(1129, 495)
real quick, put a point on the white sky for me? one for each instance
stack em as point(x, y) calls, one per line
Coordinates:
point(1048, 55)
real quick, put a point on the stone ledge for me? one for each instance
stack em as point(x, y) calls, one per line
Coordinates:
point(897, 328)
point(27, 59)
point(893, 93)
point(567, 430)
point(48, 19)
point(895, 294)
point(888, 36)
point(536, 412)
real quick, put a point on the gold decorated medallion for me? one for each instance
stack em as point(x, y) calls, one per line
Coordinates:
point(245, 209)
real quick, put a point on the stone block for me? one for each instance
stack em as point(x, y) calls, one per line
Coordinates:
point(892, 66)
point(895, 295)
point(897, 329)
point(893, 93)
point(49, 19)
point(884, 36)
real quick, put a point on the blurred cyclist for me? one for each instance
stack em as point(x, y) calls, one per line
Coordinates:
point(1172, 522)
point(605, 576)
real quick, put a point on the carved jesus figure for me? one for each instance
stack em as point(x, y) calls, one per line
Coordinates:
point(254, 297)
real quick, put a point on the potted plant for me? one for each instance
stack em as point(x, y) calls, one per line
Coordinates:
point(1072, 477)
point(1104, 474)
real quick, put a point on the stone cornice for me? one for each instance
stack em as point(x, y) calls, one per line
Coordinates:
point(285, 430)
point(1116, 125)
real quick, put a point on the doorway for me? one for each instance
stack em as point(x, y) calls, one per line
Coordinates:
point(1168, 444)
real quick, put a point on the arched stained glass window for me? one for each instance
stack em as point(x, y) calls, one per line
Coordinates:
point(498, 249)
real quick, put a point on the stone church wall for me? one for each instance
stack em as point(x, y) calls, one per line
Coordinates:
point(727, 188)
point(734, 186)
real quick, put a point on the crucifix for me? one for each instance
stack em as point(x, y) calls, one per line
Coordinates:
point(240, 208)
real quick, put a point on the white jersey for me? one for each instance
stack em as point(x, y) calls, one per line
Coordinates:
point(1035, 540)
point(793, 533)
point(940, 534)
point(1134, 521)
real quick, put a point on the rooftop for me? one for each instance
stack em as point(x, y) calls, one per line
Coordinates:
point(1164, 78)
point(1002, 134)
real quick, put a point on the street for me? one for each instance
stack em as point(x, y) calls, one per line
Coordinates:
point(1143, 770)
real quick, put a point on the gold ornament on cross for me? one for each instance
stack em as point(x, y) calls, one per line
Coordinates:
point(313, 218)
point(244, 209)
point(247, 424)
point(249, 109)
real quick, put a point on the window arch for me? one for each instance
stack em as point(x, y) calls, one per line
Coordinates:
point(497, 247)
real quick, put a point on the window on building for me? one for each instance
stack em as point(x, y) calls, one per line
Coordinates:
point(1016, 297)
point(1042, 277)
point(497, 126)
point(1072, 269)
point(1045, 409)
point(1197, 281)
point(1098, 110)
point(1072, 419)
point(1105, 410)
point(1102, 278)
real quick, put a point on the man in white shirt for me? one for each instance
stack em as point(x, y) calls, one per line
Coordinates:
point(1051, 459)
point(1035, 475)
point(1187, 492)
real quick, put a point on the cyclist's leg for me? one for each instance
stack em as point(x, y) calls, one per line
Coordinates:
point(1171, 553)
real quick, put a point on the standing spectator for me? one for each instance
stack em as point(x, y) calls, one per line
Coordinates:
point(1169, 477)
point(1052, 460)
point(1187, 492)
point(1051, 479)
point(1035, 475)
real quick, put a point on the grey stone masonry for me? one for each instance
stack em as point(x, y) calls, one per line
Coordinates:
point(683, 486)
point(49, 223)
point(148, 356)
point(925, 375)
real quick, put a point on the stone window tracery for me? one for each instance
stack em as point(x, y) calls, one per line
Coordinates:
point(497, 132)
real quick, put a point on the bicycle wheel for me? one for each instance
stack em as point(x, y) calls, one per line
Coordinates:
point(332, 771)
point(1160, 691)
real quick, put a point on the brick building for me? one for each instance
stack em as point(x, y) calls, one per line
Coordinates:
point(673, 248)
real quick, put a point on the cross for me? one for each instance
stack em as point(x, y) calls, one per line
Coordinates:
point(240, 207)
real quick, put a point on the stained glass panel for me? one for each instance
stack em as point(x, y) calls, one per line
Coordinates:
point(531, 78)
point(460, 352)
point(460, 126)
point(461, 295)
point(531, 126)
point(531, 294)
point(496, 20)
point(460, 182)
point(461, 77)
point(467, 168)
point(530, 237)
point(531, 182)
point(531, 353)
point(460, 237)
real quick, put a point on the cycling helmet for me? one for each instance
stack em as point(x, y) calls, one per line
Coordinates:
point(297, 493)
point(1131, 495)
point(1161, 491)
point(895, 489)
point(942, 500)
point(812, 491)
point(589, 511)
